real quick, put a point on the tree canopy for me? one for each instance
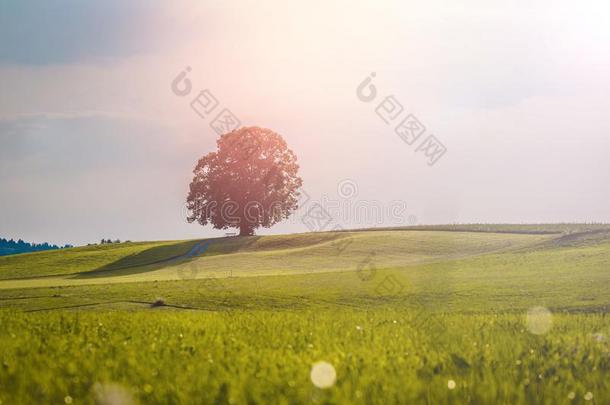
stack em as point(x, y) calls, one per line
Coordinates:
point(250, 181)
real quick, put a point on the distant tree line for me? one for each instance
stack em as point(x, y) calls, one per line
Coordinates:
point(11, 247)
point(105, 241)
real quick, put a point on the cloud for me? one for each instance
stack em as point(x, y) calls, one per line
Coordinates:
point(516, 92)
point(66, 31)
point(82, 178)
point(64, 145)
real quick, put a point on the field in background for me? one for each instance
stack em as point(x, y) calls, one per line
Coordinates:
point(420, 315)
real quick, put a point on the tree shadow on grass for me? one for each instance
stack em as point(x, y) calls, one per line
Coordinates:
point(162, 256)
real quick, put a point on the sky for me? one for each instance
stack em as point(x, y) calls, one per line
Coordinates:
point(94, 143)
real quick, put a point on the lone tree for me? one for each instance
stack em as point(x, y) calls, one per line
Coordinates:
point(249, 182)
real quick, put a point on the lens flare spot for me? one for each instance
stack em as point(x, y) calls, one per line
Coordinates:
point(323, 375)
point(538, 320)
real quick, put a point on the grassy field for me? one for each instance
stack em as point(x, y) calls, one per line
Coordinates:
point(249, 256)
point(428, 316)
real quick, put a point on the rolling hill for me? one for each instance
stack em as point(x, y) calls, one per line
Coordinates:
point(463, 269)
point(469, 314)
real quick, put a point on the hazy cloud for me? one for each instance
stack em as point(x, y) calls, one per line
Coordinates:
point(43, 32)
point(516, 91)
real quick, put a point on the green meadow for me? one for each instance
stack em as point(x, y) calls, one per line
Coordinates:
point(474, 314)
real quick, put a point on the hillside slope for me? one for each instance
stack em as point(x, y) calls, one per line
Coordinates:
point(251, 256)
point(451, 271)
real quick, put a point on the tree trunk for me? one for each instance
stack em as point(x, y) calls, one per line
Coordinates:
point(246, 230)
